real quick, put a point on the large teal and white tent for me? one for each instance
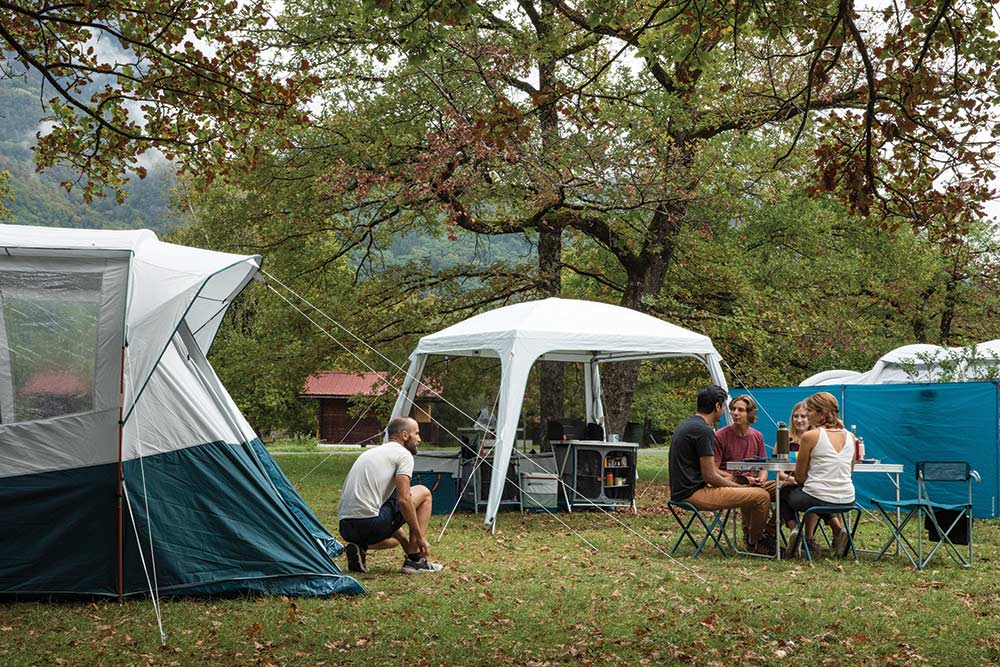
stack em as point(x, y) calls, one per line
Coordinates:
point(125, 466)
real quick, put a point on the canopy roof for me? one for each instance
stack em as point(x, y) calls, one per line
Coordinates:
point(557, 330)
point(567, 330)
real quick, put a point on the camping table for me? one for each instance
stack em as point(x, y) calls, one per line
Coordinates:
point(891, 470)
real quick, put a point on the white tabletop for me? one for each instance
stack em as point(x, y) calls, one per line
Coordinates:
point(788, 466)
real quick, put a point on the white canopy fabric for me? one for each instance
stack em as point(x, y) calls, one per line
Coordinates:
point(919, 363)
point(553, 329)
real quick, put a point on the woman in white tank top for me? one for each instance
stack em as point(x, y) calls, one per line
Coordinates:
point(823, 470)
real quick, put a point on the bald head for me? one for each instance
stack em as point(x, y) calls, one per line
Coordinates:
point(405, 431)
point(400, 424)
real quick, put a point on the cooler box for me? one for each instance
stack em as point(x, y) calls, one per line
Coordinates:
point(444, 489)
point(539, 492)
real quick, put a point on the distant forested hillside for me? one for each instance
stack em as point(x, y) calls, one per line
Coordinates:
point(39, 199)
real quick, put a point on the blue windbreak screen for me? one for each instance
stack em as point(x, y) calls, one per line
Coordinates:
point(906, 423)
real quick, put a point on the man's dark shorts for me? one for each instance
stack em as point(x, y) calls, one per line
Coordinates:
point(369, 531)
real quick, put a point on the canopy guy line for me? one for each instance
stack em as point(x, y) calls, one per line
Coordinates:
point(743, 387)
point(481, 457)
point(658, 471)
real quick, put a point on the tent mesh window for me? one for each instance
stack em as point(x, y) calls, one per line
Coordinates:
point(49, 337)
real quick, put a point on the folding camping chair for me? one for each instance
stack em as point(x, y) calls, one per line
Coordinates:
point(929, 512)
point(713, 528)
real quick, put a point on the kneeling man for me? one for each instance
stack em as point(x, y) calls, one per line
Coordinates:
point(372, 518)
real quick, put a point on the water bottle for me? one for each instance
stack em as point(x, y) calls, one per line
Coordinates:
point(857, 447)
point(781, 446)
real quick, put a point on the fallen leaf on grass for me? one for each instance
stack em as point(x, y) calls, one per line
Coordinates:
point(925, 585)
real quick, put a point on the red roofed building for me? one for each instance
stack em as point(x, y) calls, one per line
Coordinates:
point(335, 391)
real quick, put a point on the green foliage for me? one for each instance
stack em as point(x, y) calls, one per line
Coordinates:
point(662, 172)
point(191, 79)
point(965, 364)
point(29, 197)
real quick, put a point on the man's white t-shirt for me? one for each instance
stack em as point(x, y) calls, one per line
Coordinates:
point(372, 479)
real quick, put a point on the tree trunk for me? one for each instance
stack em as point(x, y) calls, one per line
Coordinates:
point(948, 309)
point(551, 374)
point(645, 279)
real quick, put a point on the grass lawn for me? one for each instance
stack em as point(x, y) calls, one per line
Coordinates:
point(534, 594)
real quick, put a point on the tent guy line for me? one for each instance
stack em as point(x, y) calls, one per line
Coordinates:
point(154, 584)
point(472, 476)
point(389, 361)
point(349, 431)
point(481, 458)
point(154, 592)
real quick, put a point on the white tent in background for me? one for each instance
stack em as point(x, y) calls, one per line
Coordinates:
point(553, 330)
point(921, 363)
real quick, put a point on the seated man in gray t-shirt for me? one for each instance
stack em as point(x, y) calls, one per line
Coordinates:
point(372, 518)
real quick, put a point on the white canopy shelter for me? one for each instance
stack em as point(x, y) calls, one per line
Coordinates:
point(567, 330)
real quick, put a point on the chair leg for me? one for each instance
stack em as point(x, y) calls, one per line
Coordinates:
point(685, 529)
point(822, 530)
point(717, 523)
point(897, 536)
point(944, 539)
point(852, 529)
point(719, 517)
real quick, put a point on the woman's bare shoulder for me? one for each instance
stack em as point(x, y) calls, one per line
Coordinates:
point(809, 438)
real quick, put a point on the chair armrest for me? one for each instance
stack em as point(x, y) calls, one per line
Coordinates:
point(975, 476)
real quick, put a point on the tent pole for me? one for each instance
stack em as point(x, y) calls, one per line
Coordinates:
point(121, 428)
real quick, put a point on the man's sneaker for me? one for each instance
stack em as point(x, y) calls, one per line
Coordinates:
point(841, 543)
point(794, 543)
point(356, 557)
point(420, 565)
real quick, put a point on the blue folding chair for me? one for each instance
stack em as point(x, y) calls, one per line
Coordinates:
point(714, 528)
point(928, 513)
